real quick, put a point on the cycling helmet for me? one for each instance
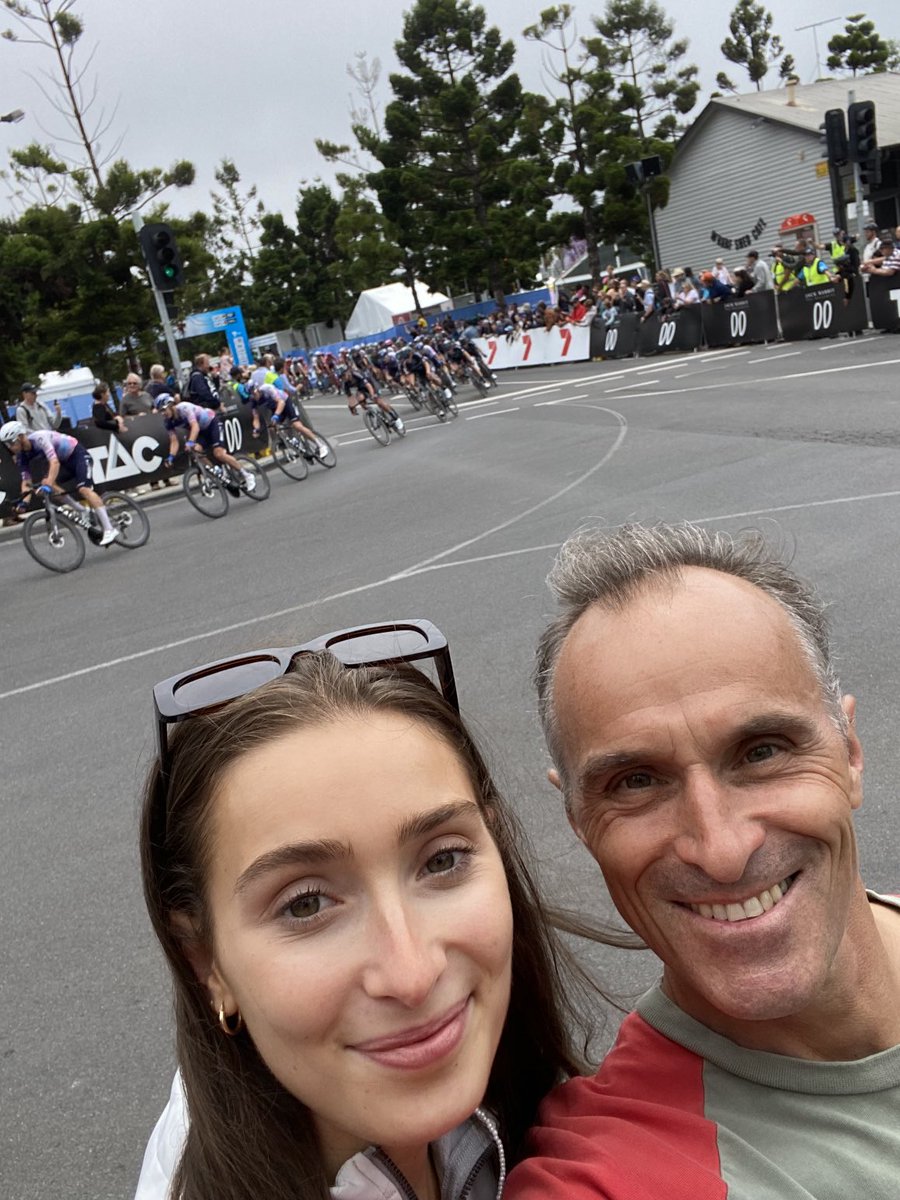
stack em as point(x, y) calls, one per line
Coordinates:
point(162, 401)
point(10, 431)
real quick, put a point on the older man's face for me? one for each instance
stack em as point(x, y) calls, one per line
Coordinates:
point(710, 782)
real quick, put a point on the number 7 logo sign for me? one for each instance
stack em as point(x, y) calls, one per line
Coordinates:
point(566, 335)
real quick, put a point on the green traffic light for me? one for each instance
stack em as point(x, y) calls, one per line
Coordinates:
point(169, 272)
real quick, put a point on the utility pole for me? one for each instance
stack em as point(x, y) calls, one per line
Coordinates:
point(138, 222)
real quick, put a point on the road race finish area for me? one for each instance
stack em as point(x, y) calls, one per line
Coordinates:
point(459, 523)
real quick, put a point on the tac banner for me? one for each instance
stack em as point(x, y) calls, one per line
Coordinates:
point(884, 301)
point(537, 347)
point(616, 341)
point(812, 312)
point(122, 461)
point(740, 320)
point(681, 331)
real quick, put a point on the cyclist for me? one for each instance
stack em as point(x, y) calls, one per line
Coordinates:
point(358, 388)
point(280, 409)
point(204, 431)
point(65, 457)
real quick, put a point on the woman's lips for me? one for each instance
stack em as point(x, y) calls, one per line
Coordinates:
point(421, 1046)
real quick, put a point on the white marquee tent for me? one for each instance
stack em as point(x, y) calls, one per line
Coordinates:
point(380, 308)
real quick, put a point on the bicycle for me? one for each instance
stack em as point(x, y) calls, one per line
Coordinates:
point(54, 534)
point(437, 402)
point(292, 451)
point(208, 485)
point(379, 423)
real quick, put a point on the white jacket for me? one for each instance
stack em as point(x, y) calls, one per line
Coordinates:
point(469, 1160)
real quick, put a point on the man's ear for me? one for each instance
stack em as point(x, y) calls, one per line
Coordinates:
point(854, 749)
point(202, 961)
point(554, 777)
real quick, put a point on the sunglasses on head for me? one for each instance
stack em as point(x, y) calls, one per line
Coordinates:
point(204, 689)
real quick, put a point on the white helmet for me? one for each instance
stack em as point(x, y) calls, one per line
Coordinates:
point(10, 431)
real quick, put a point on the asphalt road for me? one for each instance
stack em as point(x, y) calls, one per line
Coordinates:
point(458, 523)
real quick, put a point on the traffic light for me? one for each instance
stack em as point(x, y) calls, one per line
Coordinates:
point(161, 254)
point(861, 122)
point(834, 137)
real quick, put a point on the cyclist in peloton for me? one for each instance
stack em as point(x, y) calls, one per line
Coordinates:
point(280, 409)
point(356, 385)
point(66, 459)
point(204, 431)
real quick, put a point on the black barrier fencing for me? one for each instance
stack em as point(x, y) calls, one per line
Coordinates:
point(740, 321)
point(823, 311)
point(681, 331)
point(126, 460)
point(884, 300)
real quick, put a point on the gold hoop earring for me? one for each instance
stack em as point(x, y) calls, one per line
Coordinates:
point(230, 1030)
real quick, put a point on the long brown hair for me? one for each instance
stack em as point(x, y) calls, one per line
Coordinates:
point(248, 1136)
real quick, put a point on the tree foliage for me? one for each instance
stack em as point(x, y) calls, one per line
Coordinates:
point(463, 178)
point(753, 46)
point(859, 49)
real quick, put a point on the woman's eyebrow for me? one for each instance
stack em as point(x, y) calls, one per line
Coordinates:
point(289, 855)
point(424, 823)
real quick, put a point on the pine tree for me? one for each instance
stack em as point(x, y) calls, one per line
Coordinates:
point(463, 178)
point(579, 119)
point(753, 46)
point(859, 49)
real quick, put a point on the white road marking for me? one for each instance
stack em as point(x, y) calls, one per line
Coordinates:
point(709, 387)
point(793, 354)
point(498, 413)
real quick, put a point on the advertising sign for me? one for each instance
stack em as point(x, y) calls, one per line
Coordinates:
point(537, 347)
point(615, 341)
point(740, 320)
point(884, 300)
point(812, 312)
point(227, 321)
point(680, 332)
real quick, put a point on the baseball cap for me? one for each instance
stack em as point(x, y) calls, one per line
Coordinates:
point(870, 225)
point(753, 254)
point(720, 260)
point(28, 387)
point(887, 235)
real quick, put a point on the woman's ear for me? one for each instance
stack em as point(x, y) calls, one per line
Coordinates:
point(201, 958)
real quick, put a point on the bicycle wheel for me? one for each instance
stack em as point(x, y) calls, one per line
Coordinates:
point(128, 518)
point(375, 424)
point(452, 406)
point(414, 396)
point(263, 486)
point(205, 491)
point(53, 542)
point(479, 384)
point(397, 427)
point(288, 452)
point(437, 403)
point(328, 456)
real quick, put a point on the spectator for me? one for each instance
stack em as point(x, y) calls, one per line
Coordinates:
point(759, 270)
point(890, 257)
point(743, 281)
point(103, 414)
point(159, 383)
point(722, 273)
point(814, 269)
point(714, 289)
point(135, 402)
point(35, 415)
point(872, 246)
point(200, 389)
point(687, 293)
point(783, 274)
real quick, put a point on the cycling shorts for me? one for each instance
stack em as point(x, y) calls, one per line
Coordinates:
point(77, 469)
point(211, 436)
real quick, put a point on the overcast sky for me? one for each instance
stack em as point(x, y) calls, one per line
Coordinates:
point(259, 80)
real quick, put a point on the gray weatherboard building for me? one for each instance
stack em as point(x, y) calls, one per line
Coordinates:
point(750, 161)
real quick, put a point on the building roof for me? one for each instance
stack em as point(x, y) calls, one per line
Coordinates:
point(811, 102)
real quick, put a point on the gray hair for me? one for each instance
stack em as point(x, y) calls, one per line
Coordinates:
point(157, 371)
point(610, 568)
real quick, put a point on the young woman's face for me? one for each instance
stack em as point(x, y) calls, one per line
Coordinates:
point(362, 925)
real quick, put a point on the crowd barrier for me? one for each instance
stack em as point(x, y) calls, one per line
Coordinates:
point(537, 347)
point(126, 460)
point(823, 311)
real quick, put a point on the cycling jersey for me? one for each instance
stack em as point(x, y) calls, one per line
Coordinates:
point(46, 443)
point(186, 414)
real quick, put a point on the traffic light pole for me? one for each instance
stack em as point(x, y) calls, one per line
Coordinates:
point(138, 222)
point(857, 180)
